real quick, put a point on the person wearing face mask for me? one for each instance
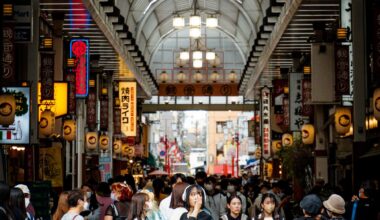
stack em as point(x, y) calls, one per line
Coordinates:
point(93, 211)
point(216, 201)
point(269, 208)
point(28, 204)
point(153, 213)
point(121, 195)
point(362, 206)
point(234, 209)
point(77, 203)
point(232, 189)
point(140, 207)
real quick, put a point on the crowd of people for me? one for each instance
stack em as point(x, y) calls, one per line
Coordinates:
point(183, 197)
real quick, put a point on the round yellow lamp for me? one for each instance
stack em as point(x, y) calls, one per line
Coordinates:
point(7, 109)
point(342, 120)
point(287, 140)
point(117, 146)
point(103, 142)
point(47, 123)
point(376, 103)
point(69, 130)
point(276, 146)
point(124, 150)
point(308, 134)
point(91, 141)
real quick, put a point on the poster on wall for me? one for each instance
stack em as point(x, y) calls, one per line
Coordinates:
point(127, 96)
point(50, 164)
point(18, 132)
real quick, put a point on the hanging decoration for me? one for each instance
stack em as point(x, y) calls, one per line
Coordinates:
point(103, 142)
point(47, 123)
point(7, 109)
point(308, 134)
point(69, 130)
point(117, 145)
point(287, 140)
point(342, 120)
point(91, 141)
point(376, 103)
point(276, 146)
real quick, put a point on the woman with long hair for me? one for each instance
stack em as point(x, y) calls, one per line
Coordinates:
point(177, 205)
point(269, 208)
point(195, 198)
point(62, 206)
point(5, 211)
point(234, 206)
point(139, 207)
point(93, 211)
point(17, 204)
point(121, 194)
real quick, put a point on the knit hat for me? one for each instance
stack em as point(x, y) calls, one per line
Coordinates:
point(311, 204)
point(335, 204)
point(24, 188)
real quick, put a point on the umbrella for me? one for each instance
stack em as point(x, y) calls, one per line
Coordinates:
point(158, 173)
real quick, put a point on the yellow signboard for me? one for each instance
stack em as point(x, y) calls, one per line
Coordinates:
point(127, 96)
point(59, 104)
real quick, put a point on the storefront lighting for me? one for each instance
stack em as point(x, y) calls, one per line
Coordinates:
point(308, 133)
point(307, 69)
point(195, 32)
point(198, 76)
point(47, 42)
point(195, 21)
point(7, 10)
point(197, 55)
point(341, 33)
point(91, 83)
point(286, 90)
point(70, 62)
point(164, 76)
point(181, 76)
point(232, 76)
point(210, 55)
point(178, 22)
point(117, 102)
point(184, 55)
point(197, 63)
point(211, 22)
point(104, 91)
point(214, 76)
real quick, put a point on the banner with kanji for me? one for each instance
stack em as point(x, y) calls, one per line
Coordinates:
point(127, 96)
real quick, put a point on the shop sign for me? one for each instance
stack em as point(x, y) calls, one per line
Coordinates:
point(70, 78)
point(58, 104)
point(265, 122)
point(47, 75)
point(91, 109)
point(376, 39)
point(307, 107)
point(8, 59)
point(296, 117)
point(79, 49)
point(342, 70)
point(23, 14)
point(117, 121)
point(104, 113)
point(18, 132)
point(127, 96)
point(105, 166)
point(50, 164)
point(285, 108)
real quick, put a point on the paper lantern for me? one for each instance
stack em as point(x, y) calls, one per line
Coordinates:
point(342, 120)
point(308, 134)
point(287, 140)
point(103, 142)
point(124, 150)
point(7, 109)
point(47, 123)
point(69, 130)
point(276, 146)
point(91, 140)
point(117, 146)
point(376, 103)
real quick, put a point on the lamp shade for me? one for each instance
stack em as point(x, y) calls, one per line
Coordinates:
point(214, 76)
point(178, 22)
point(198, 76)
point(308, 134)
point(210, 55)
point(117, 145)
point(376, 103)
point(195, 32)
point(184, 55)
point(104, 142)
point(69, 130)
point(7, 109)
point(164, 76)
point(47, 123)
point(276, 146)
point(342, 120)
point(197, 55)
point(197, 63)
point(195, 21)
point(181, 76)
point(232, 76)
point(212, 22)
point(91, 141)
point(287, 140)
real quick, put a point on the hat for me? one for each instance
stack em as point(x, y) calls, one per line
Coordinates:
point(311, 204)
point(335, 204)
point(24, 188)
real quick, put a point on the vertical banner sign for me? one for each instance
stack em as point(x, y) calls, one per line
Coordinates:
point(91, 109)
point(70, 78)
point(8, 59)
point(285, 107)
point(296, 117)
point(307, 108)
point(47, 75)
point(127, 96)
point(265, 122)
point(376, 40)
point(116, 120)
point(79, 50)
point(342, 71)
point(257, 128)
point(23, 14)
point(104, 113)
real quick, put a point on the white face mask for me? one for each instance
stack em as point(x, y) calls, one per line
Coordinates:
point(149, 205)
point(231, 189)
point(27, 202)
point(113, 197)
point(86, 206)
point(88, 195)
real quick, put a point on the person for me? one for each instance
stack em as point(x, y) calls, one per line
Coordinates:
point(62, 206)
point(200, 177)
point(140, 206)
point(27, 195)
point(17, 204)
point(153, 213)
point(269, 208)
point(216, 201)
point(158, 187)
point(234, 206)
point(102, 194)
point(5, 211)
point(94, 209)
point(77, 203)
point(311, 207)
point(165, 203)
point(362, 205)
point(195, 197)
point(335, 207)
point(233, 189)
point(121, 195)
point(177, 205)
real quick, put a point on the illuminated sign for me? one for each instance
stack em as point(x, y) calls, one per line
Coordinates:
point(79, 49)
point(265, 122)
point(127, 96)
point(59, 104)
point(18, 132)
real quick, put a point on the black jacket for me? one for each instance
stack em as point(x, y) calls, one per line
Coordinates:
point(201, 216)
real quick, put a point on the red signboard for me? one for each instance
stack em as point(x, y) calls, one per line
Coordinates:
point(8, 59)
point(79, 48)
point(265, 122)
